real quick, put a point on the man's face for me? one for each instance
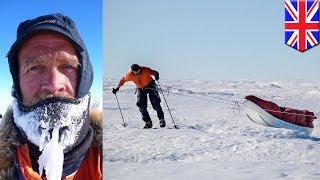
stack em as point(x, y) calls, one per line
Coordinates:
point(48, 66)
point(136, 73)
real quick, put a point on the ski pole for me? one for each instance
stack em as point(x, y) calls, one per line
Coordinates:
point(174, 125)
point(124, 124)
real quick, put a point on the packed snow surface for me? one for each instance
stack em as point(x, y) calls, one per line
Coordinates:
point(216, 140)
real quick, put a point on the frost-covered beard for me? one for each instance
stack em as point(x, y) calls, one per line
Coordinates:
point(54, 125)
point(38, 121)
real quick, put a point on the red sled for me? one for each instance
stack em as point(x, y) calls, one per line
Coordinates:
point(269, 114)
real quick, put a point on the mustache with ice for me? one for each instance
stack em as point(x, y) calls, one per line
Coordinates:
point(53, 126)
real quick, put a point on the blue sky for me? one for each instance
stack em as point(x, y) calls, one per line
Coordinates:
point(203, 39)
point(86, 14)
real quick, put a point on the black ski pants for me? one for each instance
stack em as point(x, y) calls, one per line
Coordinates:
point(142, 103)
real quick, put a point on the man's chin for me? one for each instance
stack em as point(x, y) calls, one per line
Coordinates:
point(63, 134)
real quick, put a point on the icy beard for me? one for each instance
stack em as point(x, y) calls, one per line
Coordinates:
point(54, 125)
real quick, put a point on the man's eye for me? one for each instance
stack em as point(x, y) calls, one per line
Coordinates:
point(69, 66)
point(34, 68)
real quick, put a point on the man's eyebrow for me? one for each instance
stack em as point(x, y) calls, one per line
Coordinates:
point(70, 60)
point(34, 60)
point(39, 59)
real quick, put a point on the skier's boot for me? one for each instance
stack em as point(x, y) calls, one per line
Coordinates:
point(162, 123)
point(148, 125)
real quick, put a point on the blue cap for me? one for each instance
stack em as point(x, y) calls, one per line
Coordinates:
point(60, 24)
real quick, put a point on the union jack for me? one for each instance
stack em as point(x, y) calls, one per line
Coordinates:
point(302, 24)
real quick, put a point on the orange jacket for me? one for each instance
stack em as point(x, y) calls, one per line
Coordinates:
point(142, 80)
point(90, 168)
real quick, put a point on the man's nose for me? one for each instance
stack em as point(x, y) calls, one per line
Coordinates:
point(54, 82)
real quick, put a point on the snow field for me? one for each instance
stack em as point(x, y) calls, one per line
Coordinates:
point(215, 140)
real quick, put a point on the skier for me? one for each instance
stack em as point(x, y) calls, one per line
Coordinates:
point(141, 76)
point(49, 131)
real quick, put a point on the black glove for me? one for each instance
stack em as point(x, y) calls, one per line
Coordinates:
point(156, 76)
point(115, 90)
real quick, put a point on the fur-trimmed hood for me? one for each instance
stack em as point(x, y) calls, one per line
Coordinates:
point(9, 140)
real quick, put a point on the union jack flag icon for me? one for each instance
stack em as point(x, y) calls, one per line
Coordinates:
point(302, 24)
